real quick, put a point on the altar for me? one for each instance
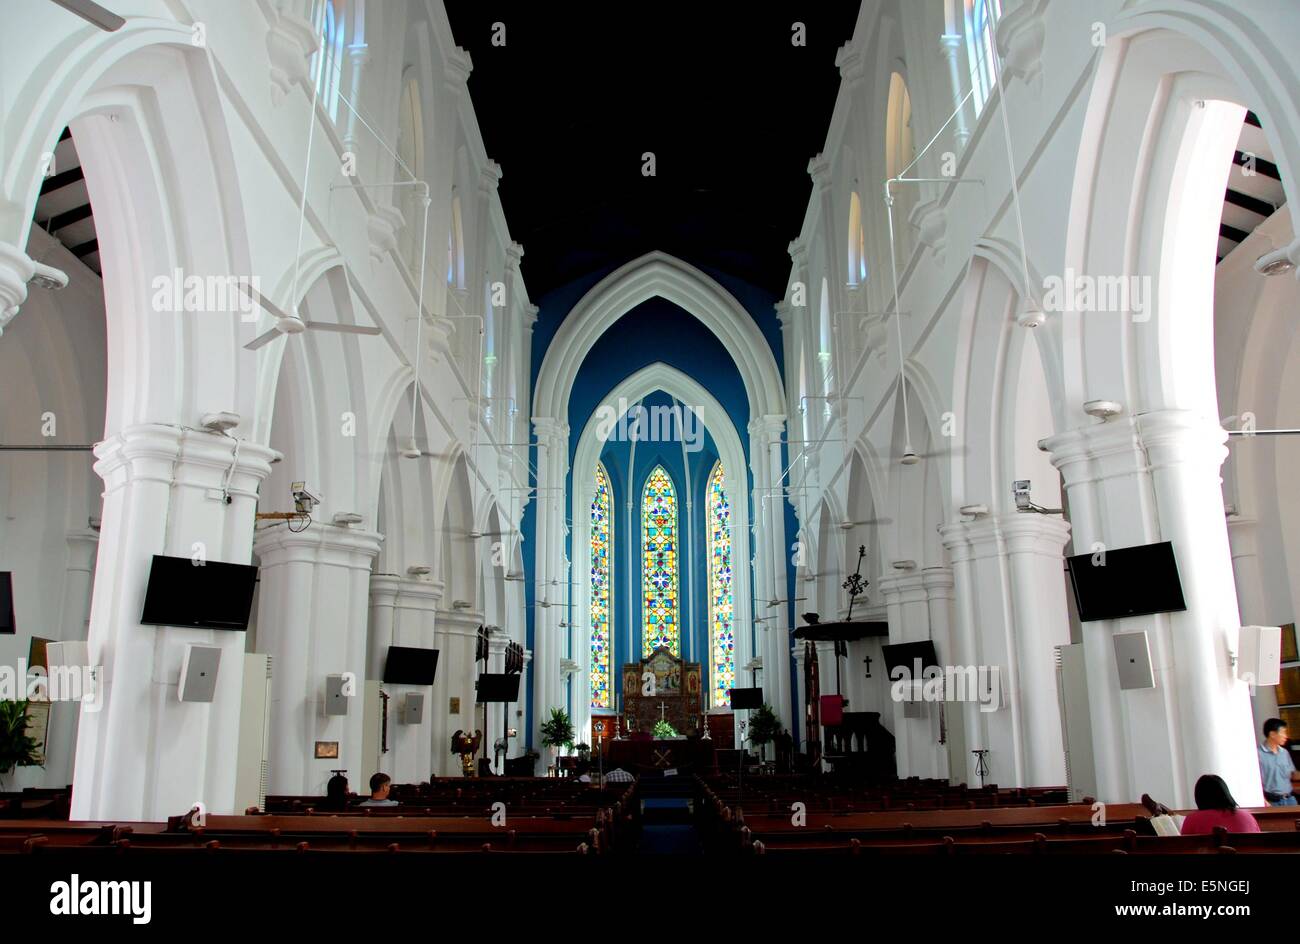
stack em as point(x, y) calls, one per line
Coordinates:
point(662, 687)
point(642, 755)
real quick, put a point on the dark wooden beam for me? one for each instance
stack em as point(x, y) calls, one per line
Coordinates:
point(58, 181)
point(1226, 231)
point(84, 249)
point(67, 218)
point(1262, 167)
point(1247, 202)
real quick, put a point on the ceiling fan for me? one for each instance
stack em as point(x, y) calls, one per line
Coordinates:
point(772, 603)
point(293, 324)
point(94, 14)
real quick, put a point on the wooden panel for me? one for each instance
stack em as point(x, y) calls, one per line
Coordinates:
point(723, 731)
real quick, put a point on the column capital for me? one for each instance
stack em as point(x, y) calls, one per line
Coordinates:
point(851, 63)
point(550, 431)
point(819, 169)
point(907, 587)
point(179, 456)
point(318, 544)
point(406, 592)
point(489, 176)
point(16, 270)
point(938, 581)
point(514, 253)
point(769, 425)
point(1033, 534)
point(1169, 436)
point(456, 69)
point(950, 43)
point(460, 622)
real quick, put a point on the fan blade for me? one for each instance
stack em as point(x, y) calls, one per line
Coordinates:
point(262, 339)
point(341, 328)
point(93, 14)
point(258, 298)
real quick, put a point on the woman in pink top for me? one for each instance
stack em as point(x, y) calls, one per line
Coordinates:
point(1216, 807)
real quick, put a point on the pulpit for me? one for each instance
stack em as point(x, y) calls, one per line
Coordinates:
point(662, 687)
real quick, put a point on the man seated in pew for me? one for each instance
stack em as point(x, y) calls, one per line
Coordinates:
point(380, 785)
point(1276, 769)
point(1216, 807)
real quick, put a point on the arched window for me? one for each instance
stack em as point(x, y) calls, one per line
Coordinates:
point(857, 242)
point(722, 632)
point(659, 564)
point(602, 532)
point(328, 60)
point(981, 20)
point(410, 149)
point(899, 152)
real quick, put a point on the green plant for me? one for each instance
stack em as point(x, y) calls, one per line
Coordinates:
point(17, 747)
point(663, 729)
point(558, 730)
point(583, 750)
point(764, 726)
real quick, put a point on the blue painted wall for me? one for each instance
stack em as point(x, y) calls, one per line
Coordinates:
point(654, 331)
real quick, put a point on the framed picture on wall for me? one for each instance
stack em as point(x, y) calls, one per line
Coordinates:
point(327, 750)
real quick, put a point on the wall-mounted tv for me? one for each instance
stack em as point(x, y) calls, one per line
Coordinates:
point(905, 654)
point(1126, 581)
point(7, 623)
point(214, 595)
point(407, 665)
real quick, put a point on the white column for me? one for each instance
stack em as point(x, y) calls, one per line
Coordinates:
point(1243, 536)
point(1136, 480)
point(915, 739)
point(311, 621)
point(548, 635)
point(457, 641)
point(496, 711)
point(145, 755)
point(938, 585)
point(16, 268)
point(772, 577)
point(403, 613)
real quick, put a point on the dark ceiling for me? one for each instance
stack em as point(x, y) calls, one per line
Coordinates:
point(730, 107)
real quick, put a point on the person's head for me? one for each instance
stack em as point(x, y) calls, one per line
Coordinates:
point(337, 788)
point(1275, 732)
point(380, 784)
point(1212, 794)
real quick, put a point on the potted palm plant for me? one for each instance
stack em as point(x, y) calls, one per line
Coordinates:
point(557, 733)
point(764, 726)
point(17, 747)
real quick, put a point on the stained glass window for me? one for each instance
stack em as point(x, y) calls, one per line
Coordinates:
point(659, 564)
point(722, 630)
point(601, 529)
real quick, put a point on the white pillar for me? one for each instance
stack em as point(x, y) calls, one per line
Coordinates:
point(496, 711)
point(548, 635)
point(1137, 480)
point(771, 577)
point(145, 755)
point(951, 44)
point(1243, 536)
point(938, 584)
point(311, 621)
point(402, 613)
point(916, 739)
point(457, 641)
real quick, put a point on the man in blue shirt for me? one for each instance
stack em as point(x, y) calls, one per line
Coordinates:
point(1275, 767)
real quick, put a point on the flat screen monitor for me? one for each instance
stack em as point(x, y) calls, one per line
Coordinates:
point(1127, 581)
point(905, 654)
point(407, 665)
point(497, 687)
point(7, 624)
point(742, 698)
point(213, 595)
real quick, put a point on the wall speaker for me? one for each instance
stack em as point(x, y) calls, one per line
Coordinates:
point(1259, 655)
point(413, 708)
point(336, 702)
point(1133, 660)
point(199, 673)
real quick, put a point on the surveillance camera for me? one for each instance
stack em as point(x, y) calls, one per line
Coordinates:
point(1020, 488)
point(45, 276)
point(303, 500)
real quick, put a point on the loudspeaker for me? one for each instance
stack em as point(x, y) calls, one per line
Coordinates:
point(199, 673)
point(1133, 660)
point(1259, 655)
point(413, 708)
point(76, 654)
point(336, 702)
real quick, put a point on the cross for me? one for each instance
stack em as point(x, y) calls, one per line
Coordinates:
point(867, 660)
point(662, 706)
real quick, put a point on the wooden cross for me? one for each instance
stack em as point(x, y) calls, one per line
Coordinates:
point(662, 706)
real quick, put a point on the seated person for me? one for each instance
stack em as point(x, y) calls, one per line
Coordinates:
point(336, 794)
point(1216, 807)
point(380, 785)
